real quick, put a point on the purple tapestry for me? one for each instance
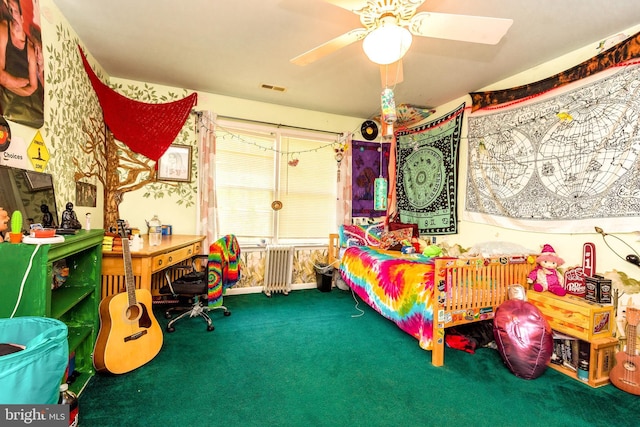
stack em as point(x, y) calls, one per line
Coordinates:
point(364, 170)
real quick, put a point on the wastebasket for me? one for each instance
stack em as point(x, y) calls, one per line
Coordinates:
point(324, 277)
point(33, 375)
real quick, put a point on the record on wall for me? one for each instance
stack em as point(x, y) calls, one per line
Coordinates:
point(369, 130)
point(5, 135)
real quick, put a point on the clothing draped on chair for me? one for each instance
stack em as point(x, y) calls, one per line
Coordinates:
point(223, 267)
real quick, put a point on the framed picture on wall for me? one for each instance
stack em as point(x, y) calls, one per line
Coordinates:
point(38, 181)
point(175, 164)
point(86, 194)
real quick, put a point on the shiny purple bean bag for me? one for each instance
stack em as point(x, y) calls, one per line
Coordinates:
point(523, 337)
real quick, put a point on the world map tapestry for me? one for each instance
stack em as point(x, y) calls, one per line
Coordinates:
point(365, 162)
point(563, 162)
point(427, 174)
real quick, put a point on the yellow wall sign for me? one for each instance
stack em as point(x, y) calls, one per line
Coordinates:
point(38, 153)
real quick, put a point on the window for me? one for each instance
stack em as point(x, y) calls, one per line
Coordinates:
point(255, 167)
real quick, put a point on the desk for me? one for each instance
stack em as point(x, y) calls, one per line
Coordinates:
point(147, 264)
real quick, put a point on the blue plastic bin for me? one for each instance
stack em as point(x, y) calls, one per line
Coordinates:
point(33, 375)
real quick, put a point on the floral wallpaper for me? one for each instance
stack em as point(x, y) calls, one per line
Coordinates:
point(70, 100)
point(72, 108)
point(180, 193)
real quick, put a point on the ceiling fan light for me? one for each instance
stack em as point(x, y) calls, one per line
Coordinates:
point(387, 44)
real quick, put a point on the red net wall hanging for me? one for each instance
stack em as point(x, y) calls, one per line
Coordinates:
point(148, 129)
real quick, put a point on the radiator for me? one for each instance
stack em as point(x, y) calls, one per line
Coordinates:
point(278, 269)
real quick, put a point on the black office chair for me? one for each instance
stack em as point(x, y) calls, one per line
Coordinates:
point(190, 289)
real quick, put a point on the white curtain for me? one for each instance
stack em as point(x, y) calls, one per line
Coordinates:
point(207, 201)
point(343, 214)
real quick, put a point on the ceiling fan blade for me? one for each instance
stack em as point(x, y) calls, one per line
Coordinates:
point(351, 5)
point(391, 74)
point(466, 28)
point(330, 46)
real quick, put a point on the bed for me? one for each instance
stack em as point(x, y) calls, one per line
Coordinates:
point(424, 296)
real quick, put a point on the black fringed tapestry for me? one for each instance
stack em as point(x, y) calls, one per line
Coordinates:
point(620, 53)
point(427, 174)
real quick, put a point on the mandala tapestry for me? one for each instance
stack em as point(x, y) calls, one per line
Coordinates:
point(365, 169)
point(427, 174)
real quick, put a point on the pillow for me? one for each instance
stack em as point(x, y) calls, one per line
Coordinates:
point(497, 248)
point(360, 235)
point(393, 226)
point(391, 239)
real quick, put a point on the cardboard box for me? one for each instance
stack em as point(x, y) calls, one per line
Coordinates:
point(574, 316)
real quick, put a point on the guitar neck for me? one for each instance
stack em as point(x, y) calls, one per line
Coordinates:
point(128, 272)
point(631, 340)
point(633, 318)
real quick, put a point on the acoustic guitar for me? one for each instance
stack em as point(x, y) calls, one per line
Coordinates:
point(626, 372)
point(129, 334)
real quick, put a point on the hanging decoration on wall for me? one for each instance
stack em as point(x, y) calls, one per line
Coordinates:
point(23, 89)
point(427, 174)
point(5, 135)
point(339, 156)
point(380, 188)
point(147, 129)
point(369, 130)
point(559, 162)
point(409, 115)
point(368, 165)
point(388, 104)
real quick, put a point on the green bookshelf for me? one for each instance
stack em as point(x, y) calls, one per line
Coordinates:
point(75, 302)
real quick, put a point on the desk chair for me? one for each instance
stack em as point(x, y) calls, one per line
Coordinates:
point(189, 288)
point(220, 267)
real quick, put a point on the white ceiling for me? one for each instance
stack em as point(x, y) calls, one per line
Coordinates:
point(232, 47)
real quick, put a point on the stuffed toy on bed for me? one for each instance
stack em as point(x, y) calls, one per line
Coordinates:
point(546, 277)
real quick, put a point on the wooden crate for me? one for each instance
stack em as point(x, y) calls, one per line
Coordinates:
point(602, 355)
point(574, 316)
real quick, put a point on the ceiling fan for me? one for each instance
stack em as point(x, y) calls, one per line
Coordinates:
point(381, 17)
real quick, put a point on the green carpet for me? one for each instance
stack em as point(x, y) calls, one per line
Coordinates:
point(303, 360)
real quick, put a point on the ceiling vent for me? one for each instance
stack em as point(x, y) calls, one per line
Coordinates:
point(272, 87)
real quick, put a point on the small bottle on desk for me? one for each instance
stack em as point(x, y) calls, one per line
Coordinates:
point(136, 243)
point(155, 231)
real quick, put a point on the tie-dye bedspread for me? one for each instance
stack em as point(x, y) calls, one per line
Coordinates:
point(398, 286)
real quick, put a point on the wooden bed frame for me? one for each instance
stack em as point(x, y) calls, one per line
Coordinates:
point(466, 290)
